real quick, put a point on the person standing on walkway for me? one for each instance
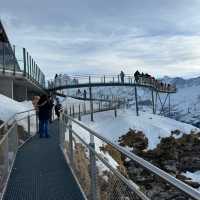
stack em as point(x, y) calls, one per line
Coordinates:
point(43, 113)
point(122, 76)
point(58, 108)
point(136, 75)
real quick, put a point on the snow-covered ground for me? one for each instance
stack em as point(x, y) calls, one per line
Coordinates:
point(154, 127)
point(9, 107)
point(193, 176)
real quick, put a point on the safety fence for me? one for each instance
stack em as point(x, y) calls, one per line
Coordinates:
point(17, 61)
point(64, 81)
point(77, 110)
point(13, 134)
point(103, 177)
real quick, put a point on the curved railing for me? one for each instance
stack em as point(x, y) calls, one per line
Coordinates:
point(63, 82)
point(85, 150)
point(16, 131)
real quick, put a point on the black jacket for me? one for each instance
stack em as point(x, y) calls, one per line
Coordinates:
point(44, 110)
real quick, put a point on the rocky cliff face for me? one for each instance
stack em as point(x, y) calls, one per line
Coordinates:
point(173, 155)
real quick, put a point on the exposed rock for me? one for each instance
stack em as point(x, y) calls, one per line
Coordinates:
point(173, 155)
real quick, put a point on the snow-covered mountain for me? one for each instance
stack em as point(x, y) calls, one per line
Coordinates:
point(186, 102)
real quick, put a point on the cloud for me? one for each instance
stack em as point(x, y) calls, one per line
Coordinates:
point(93, 36)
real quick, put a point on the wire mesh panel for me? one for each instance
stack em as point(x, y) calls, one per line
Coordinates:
point(12, 144)
point(4, 163)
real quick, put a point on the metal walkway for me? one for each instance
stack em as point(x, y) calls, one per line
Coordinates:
point(41, 173)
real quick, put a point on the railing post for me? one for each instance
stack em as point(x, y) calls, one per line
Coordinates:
point(136, 101)
point(91, 102)
point(153, 102)
point(93, 172)
point(79, 112)
point(73, 111)
point(104, 79)
point(29, 127)
point(71, 156)
point(70, 111)
point(115, 112)
point(3, 57)
point(14, 70)
point(37, 125)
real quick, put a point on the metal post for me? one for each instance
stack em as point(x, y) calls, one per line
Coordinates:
point(153, 103)
point(93, 170)
point(91, 102)
point(3, 57)
point(136, 101)
point(73, 111)
point(99, 106)
point(79, 112)
point(71, 156)
point(70, 111)
point(29, 127)
point(169, 106)
point(14, 70)
point(37, 125)
point(156, 102)
point(104, 79)
point(115, 112)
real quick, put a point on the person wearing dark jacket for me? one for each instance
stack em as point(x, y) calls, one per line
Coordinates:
point(122, 76)
point(58, 108)
point(44, 108)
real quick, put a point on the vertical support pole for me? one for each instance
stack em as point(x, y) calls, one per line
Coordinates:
point(91, 102)
point(156, 102)
point(84, 108)
point(14, 57)
point(29, 127)
point(104, 79)
point(3, 57)
point(169, 105)
point(115, 112)
point(70, 111)
point(37, 125)
point(79, 112)
point(71, 156)
point(153, 102)
point(99, 106)
point(136, 101)
point(73, 111)
point(93, 169)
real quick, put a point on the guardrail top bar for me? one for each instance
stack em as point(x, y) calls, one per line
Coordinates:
point(162, 174)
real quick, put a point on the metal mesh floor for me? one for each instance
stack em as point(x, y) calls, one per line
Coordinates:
point(41, 173)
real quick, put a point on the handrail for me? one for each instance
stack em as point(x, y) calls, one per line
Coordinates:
point(162, 174)
point(134, 188)
point(13, 117)
point(75, 81)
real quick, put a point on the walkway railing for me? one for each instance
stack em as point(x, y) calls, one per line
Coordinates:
point(13, 134)
point(98, 174)
point(17, 61)
point(62, 82)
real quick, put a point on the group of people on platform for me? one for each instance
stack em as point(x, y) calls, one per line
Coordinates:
point(143, 78)
point(79, 93)
point(44, 109)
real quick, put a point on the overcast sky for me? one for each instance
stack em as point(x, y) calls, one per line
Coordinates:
point(161, 37)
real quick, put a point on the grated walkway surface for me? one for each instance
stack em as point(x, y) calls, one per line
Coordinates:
point(41, 173)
